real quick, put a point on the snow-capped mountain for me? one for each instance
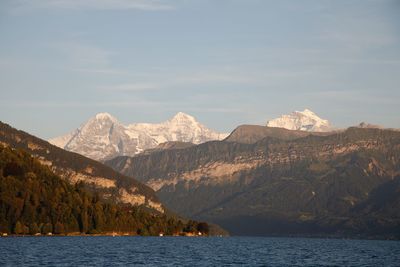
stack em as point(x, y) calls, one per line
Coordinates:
point(182, 127)
point(305, 120)
point(104, 137)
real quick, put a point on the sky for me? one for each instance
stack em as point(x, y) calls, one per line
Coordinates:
point(226, 62)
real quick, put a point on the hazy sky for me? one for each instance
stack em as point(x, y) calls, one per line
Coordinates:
point(226, 62)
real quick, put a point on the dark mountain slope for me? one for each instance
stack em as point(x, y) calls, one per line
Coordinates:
point(312, 185)
point(168, 145)
point(74, 168)
point(249, 134)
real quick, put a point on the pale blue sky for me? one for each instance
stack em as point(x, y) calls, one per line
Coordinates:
point(226, 62)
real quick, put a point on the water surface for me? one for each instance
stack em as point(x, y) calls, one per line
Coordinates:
point(186, 251)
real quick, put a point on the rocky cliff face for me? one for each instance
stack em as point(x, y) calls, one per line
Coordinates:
point(305, 185)
point(74, 168)
point(104, 137)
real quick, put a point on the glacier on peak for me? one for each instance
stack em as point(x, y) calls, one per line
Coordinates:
point(105, 116)
point(305, 120)
point(104, 137)
point(182, 115)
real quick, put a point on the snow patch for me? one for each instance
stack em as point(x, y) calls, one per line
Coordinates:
point(305, 120)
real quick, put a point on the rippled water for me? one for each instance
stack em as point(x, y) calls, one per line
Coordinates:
point(186, 251)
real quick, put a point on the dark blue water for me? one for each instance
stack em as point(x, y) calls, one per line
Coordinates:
point(186, 251)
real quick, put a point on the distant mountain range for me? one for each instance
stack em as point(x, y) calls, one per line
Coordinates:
point(104, 137)
point(273, 181)
point(296, 176)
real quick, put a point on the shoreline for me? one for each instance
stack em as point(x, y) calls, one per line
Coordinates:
point(102, 234)
point(199, 236)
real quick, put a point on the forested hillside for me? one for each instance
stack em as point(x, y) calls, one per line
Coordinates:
point(72, 167)
point(34, 200)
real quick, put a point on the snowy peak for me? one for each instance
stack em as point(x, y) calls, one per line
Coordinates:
point(100, 120)
point(181, 127)
point(180, 116)
point(104, 116)
point(102, 125)
point(305, 120)
point(309, 113)
point(182, 119)
point(104, 137)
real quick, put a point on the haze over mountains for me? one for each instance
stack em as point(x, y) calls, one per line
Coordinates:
point(104, 137)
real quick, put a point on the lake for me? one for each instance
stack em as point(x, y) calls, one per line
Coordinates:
point(204, 251)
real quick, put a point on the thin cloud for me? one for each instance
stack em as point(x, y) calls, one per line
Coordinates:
point(354, 96)
point(208, 77)
point(183, 80)
point(131, 87)
point(359, 28)
point(214, 110)
point(149, 5)
point(101, 71)
point(247, 77)
point(83, 56)
point(80, 104)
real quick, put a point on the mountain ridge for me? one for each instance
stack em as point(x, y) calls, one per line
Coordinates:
point(252, 133)
point(104, 137)
point(316, 184)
